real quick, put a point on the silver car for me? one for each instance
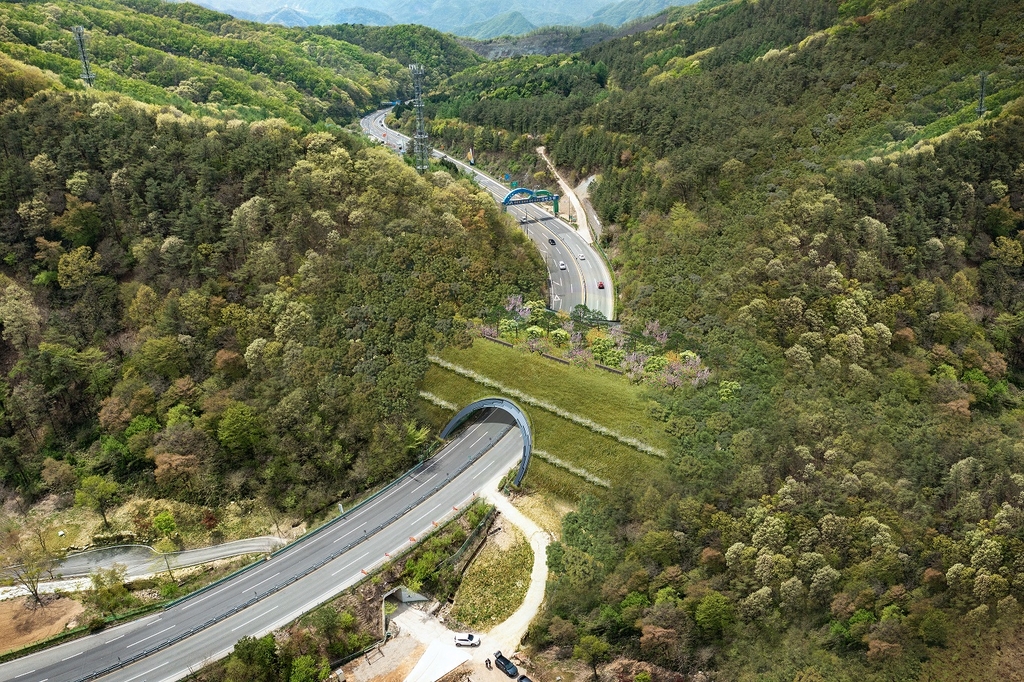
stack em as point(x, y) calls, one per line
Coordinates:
point(466, 639)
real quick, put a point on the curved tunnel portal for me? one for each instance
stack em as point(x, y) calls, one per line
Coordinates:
point(507, 406)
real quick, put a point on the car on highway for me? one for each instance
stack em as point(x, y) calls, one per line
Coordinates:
point(551, 241)
point(466, 639)
point(504, 665)
point(582, 257)
point(600, 285)
point(561, 265)
point(522, 219)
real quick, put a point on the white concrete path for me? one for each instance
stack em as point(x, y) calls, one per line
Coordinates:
point(505, 636)
point(418, 630)
point(582, 228)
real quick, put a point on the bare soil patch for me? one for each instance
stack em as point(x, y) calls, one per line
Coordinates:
point(23, 623)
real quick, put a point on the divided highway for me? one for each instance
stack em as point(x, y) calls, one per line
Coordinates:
point(169, 644)
point(585, 269)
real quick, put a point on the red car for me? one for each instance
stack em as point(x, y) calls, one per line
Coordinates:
point(600, 285)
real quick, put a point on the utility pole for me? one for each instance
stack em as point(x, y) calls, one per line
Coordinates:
point(87, 74)
point(420, 144)
point(981, 100)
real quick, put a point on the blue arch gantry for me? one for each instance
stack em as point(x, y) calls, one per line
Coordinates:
point(511, 408)
point(530, 197)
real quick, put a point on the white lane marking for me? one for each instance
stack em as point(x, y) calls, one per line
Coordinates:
point(71, 656)
point(145, 673)
point(150, 637)
point(428, 513)
point(191, 604)
point(346, 534)
point(482, 471)
point(261, 569)
point(347, 565)
point(23, 674)
point(264, 580)
point(424, 483)
point(255, 619)
point(114, 640)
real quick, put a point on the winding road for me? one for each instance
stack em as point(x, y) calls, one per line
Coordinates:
point(584, 269)
point(203, 627)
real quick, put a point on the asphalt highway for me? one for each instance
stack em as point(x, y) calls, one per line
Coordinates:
point(140, 560)
point(169, 644)
point(584, 267)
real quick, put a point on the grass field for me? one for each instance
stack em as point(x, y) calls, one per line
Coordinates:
point(607, 399)
point(603, 457)
point(496, 582)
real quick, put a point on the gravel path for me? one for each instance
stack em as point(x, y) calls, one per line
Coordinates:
point(581, 215)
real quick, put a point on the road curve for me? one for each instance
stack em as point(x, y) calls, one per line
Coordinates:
point(578, 283)
point(168, 645)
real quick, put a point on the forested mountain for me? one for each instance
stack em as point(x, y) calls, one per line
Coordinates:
point(439, 53)
point(202, 62)
point(461, 17)
point(804, 193)
point(206, 309)
point(508, 24)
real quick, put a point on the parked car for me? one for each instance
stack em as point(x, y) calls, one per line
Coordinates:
point(466, 639)
point(504, 665)
point(551, 241)
point(600, 285)
point(561, 265)
point(524, 678)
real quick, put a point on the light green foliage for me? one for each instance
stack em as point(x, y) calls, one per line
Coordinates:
point(239, 429)
point(714, 614)
point(204, 62)
point(75, 268)
point(165, 524)
point(306, 668)
point(109, 594)
point(98, 494)
point(591, 650)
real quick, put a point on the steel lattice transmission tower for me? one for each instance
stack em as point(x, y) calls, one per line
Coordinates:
point(981, 99)
point(420, 142)
point(87, 74)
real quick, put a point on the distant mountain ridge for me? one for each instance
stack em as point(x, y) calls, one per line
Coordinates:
point(478, 19)
point(509, 24)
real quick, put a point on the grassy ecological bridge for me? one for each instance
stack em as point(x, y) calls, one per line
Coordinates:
point(590, 429)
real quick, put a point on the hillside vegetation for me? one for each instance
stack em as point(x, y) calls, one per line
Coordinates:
point(440, 53)
point(210, 310)
point(803, 194)
point(201, 61)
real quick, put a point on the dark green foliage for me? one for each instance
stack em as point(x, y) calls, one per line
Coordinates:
point(252, 315)
point(801, 193)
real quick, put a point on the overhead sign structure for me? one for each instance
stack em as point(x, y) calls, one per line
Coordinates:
point(529, 196)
